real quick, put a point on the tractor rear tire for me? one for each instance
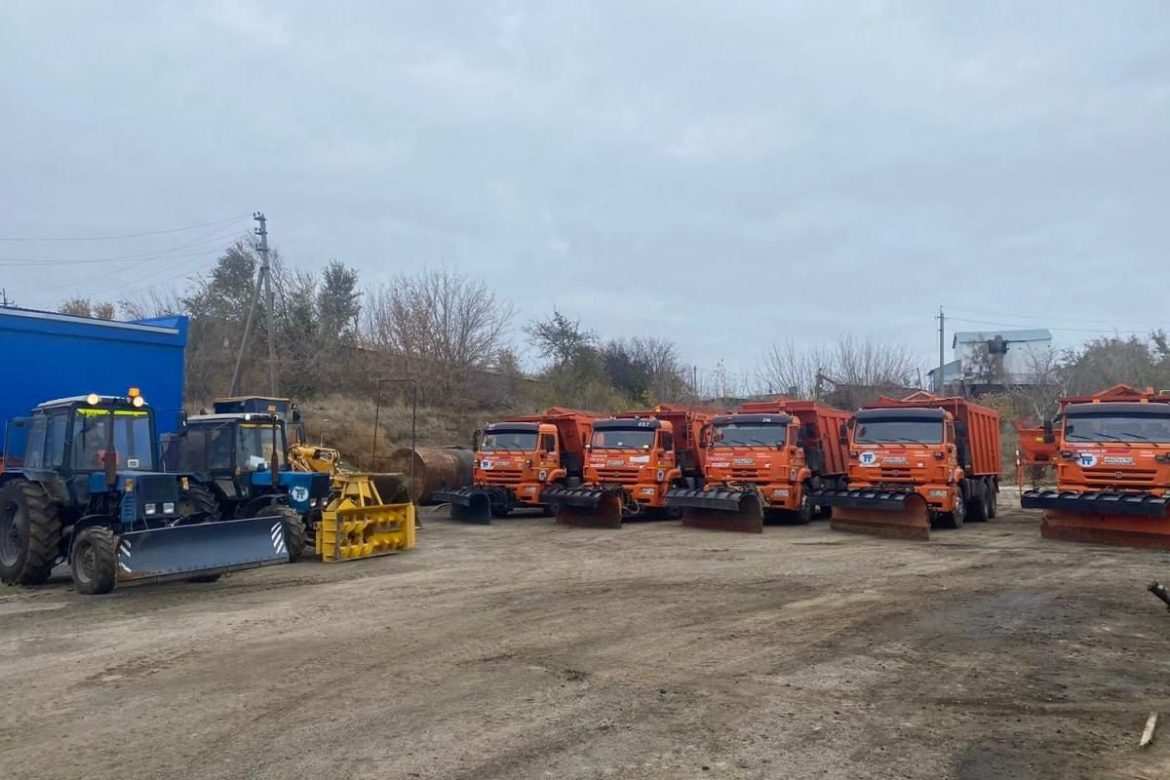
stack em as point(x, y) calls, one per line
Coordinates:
point(30, 534)
point(94, 562)
point(294, 531)
point(198, 500)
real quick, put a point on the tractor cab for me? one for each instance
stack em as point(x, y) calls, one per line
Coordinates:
point(242, 456)
point(283, 408)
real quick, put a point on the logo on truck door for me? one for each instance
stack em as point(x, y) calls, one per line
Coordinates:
point(867, 458)
point(1087, 460)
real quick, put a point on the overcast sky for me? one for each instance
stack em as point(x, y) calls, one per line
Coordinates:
point(725, 174)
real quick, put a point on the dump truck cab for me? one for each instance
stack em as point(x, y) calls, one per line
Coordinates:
point(918, 462)
point(633, 459)
point(1112, 470)
point(240, 457)
point(517, 460)
point(83, 482)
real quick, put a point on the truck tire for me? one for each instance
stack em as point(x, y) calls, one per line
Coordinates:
point(30, 534)
point(94, 563)
point(992, 499)
point(955, 518)
point(294, 531)
point(977, 503)
point(805, 511)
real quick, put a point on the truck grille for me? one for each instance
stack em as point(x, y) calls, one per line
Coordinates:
point(897, 475)
point(503, 476)
point(747, 473)
point(621, 476)
point(1106, 477)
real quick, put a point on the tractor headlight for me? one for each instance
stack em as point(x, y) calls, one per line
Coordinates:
point(138, 401)
point(312, 502)
point(169, 508)
point(151, 509)
point(93, 399)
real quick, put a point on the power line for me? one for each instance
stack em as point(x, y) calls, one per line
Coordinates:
point(237, 218)
point(1063, 330)
point(1039, 318)
point(214, 237)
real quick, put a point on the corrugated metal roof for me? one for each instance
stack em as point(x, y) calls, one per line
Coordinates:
point(976, 336)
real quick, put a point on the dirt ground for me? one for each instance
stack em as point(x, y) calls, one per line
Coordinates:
point(528, 650)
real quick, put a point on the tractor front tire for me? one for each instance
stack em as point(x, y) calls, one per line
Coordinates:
point(198, 500)
point(94, 563)
point(30, 534)
point(294, 531)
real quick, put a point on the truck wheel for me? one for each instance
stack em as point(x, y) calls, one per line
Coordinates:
point(955, 519)
point(992, 500)
point(977, 503)
point(30, 534)
point(501, 510)
point(94, 564)
point(804, 511)
point(294, 531)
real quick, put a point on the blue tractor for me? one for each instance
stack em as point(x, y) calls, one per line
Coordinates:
point(82, 483)
point(238, 457)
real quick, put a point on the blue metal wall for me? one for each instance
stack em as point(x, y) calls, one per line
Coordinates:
point(44, 356)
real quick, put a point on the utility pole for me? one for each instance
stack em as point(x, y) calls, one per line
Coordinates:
point(266, 273)
point(263, 282)
point(941, 358)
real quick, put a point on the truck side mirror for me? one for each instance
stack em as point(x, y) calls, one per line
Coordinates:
point(476, 438)
point(1049, 437)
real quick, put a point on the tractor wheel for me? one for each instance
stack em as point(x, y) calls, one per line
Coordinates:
point(294, 531)
point(198, 500)
point(94, 564)
point(30, 534)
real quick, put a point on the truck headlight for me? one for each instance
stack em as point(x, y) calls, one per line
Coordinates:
point(661, 475)
point(151, 509)
point(543, 475)
point(169, 508)
point(938, 494)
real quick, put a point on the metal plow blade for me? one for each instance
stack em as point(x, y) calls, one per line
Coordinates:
point(877, 512)
point(468, 505)
point(719, 510)
point(586, 507)
point(1124, 520)
point(200, 549)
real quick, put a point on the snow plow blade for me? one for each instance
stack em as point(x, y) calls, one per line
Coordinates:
point(468, 504)
point(718, 509)
point(1120, 519)
point(182, 551)
point(877, 512)
point(586, 507)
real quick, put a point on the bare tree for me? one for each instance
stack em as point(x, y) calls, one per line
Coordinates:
point(84, 307)
point(448, 322)
point(1045, 383)
point(859, 369)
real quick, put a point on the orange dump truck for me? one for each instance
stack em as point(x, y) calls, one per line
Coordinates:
point(765, 460)
point(917, 462)
point(517, 461)
point(632, 461)
point(1112, 470)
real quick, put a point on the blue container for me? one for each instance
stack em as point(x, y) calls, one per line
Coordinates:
point(45, 356)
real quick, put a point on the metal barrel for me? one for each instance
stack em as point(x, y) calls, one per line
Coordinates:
point(1104, 503)
point(434, 468)
point(201, 549)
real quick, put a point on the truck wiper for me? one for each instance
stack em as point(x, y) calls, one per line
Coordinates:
point(1101, 437)
point(908, 439)
point(1138, 436)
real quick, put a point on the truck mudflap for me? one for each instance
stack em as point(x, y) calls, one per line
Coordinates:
point(1121, 519)
point(586, 507)
point(718, 509)
point(877, 512)
point(468, 504)
point(200, 549)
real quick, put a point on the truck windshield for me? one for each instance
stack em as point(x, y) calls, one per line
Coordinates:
point(132, 441)
point(254, 445)
point(879, 431)
point(1117, 428)
point(749, 435)
point(623, 439)
point(522, 441)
